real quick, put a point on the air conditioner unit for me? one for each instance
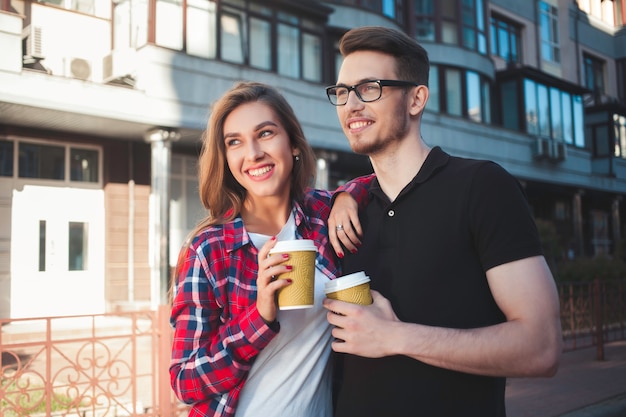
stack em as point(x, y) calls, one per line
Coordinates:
point(558, 151)
point(119, 65)
point(32, 42)
point(79, 68)
point(541, 148)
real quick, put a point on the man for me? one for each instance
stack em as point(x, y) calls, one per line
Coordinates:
point(463, 296)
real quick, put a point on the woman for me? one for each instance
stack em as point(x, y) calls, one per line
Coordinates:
point(234, 353)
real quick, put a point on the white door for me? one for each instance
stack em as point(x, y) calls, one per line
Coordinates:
point(57, 252)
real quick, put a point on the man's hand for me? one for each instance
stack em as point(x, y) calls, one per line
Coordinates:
point(362, 330)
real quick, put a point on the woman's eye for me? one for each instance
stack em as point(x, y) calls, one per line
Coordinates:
point(265, 133)
point(232, 142)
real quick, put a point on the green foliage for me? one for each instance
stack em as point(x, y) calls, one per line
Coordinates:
point(550, 241)
point(30, 400)
point(586, 269)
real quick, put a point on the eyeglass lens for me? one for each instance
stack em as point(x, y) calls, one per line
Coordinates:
point(367, 91)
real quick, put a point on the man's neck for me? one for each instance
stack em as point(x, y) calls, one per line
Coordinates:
point(396, 167)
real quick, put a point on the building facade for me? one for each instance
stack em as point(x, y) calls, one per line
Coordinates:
point(103, 104)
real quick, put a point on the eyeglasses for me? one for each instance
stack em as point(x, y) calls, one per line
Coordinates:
point(366, 91)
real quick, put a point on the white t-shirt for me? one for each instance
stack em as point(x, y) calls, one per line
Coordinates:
point(291, 377)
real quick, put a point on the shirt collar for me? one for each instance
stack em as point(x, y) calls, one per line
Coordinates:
point(435, 160)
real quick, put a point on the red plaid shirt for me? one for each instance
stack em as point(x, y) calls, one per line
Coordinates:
point(218, 331)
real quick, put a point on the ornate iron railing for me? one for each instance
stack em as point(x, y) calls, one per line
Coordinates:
point(117, 364)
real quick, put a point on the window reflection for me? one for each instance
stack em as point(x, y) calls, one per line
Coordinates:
point(77, 246)
point(6, 158)
point(84, 165)
point(41, 161)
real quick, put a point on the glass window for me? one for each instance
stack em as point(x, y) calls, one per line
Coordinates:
point(486, 97)
point(424, 20)
point(543, 105)
point(449, 33)
point(509, 108)
point(453, 92)
point(531, 110)
point(620, 135)
point(433, 89)
point(556, 114)
point(549, 29)
point(232, 37)
point(130, 24)
point(6, 158)
point(169, 24)
point(41, 161)
point(84, 165)
point(594, 74)
point(42, 245)
point(456, 22)
point(505, 38)
point(568, 126)
point(288, 52)
point(260, 44)
point(601, 140)
point(553, 113)
point(311, 53)
point(579, 130)
point(77, 246)
point(474, 107)
point(201, 28)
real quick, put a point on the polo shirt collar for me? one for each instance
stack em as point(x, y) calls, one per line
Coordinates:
point(435, 160)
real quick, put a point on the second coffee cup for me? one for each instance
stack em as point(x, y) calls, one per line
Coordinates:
point(353, 288)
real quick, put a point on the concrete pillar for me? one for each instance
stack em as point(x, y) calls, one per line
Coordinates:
point(160, 140)
point(322, 174)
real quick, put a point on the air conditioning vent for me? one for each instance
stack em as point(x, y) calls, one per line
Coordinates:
point(553, 150)
point(78, 68)
point(32, 42)
point(120, 66)
point(541, 148)
point(558, 151)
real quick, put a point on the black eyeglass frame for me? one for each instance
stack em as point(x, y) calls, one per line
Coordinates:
point(381, 84)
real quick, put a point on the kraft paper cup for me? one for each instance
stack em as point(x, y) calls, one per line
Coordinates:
point(299, 294)
point(353, 288)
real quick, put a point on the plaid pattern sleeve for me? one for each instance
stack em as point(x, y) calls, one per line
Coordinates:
point(358, 188)
point(218, 330)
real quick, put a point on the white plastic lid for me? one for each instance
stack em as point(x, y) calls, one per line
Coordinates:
point(346, 281)
point(294, 246)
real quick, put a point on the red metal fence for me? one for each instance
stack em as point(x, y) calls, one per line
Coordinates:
point(116, 364)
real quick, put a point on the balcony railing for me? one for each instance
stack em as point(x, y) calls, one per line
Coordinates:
point(117, 364)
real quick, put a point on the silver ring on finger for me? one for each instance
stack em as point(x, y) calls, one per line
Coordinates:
point(339, 227)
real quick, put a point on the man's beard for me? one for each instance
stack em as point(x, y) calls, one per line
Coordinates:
point(398, 130)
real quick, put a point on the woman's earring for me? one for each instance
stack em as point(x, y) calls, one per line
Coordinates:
point(297, 157)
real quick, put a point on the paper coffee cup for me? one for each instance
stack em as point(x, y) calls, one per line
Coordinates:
point(299, 294)
point(353, 288)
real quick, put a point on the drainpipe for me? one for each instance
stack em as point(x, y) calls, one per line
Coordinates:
point(160, 140)
point(131, 224)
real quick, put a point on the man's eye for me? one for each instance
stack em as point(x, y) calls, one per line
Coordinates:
point(340, 92)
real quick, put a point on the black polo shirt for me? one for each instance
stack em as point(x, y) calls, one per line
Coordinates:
point(428, 252)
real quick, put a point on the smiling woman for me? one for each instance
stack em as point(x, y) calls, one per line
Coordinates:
point(233, 349)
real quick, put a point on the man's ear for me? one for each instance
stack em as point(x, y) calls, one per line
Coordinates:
point(419, 98)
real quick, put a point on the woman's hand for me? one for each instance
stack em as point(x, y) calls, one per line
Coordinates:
point(267, 284)
point(344, 226)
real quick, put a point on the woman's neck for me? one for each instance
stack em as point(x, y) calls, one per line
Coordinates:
point(266, 217)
